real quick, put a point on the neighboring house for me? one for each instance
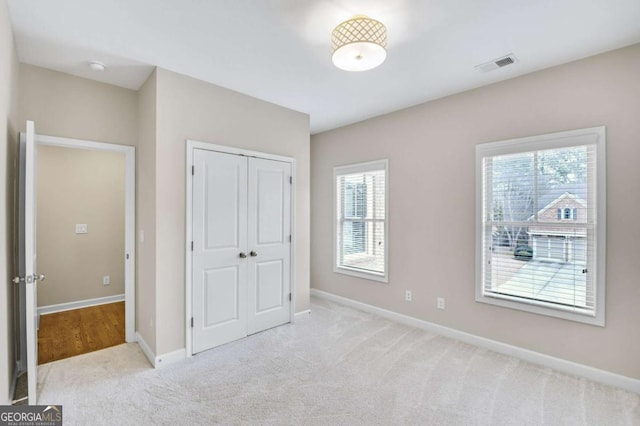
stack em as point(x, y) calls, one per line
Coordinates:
point(558, 239)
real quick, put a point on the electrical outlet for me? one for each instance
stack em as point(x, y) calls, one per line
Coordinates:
point(82, 228)
point(440, 303)
point(106, 280)
point(408, 296)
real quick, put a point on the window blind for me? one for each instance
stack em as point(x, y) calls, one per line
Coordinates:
point(360, 218)
point(539, 227)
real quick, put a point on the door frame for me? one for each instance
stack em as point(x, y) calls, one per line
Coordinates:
point(191, 146)
point(129, 221)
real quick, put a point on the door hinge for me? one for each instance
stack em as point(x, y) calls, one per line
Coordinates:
point(127, 256)
point(191, 322)
point(191, 245)
point(193, 170)
point(289, 297)
point(290, 179)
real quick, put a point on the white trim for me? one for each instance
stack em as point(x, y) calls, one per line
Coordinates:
point(14, 382)
point(194, 144)
point(82, 144)
point(292, 246)
point(191, 145)
point(362, 168)
point(60, 307)
point(302, 314)
point(570, 138)
point(188, 254)
point(130, 246)
point(129, 255)
point(160, 361)
point(558, 364)
point(170, 358)
point(151, 357)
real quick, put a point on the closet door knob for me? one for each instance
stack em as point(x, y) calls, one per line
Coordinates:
point(253, 253)
point(242, 255)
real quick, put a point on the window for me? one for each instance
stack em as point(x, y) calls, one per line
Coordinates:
point(361, 220)
point(540, 226)
point(567, 213)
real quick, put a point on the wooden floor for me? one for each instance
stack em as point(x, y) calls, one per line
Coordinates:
point(70, 333)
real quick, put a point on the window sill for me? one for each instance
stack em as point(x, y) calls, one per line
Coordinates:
point(361, 274)
point(540, 309)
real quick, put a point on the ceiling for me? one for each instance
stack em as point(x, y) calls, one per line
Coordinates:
point(279, 50)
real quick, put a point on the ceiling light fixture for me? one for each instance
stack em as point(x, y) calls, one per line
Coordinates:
point(97, 66)
point(359, 44)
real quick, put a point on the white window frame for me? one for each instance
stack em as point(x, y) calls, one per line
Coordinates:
point(590, 136)
point(361, 168)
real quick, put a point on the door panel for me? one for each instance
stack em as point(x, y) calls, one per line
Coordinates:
point(219, 236)
point(271, 185)
point(270, 286)
point(580, 250)
point(223, 205)
point(221, 289)
point(556, 248)
point(268, 232)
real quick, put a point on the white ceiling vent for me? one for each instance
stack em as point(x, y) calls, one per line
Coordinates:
point(497, 63)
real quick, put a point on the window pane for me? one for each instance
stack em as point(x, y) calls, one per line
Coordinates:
point(353, 238)
point(512, 188)
point(360, 239)
point(562, 176)
point(552, 269)
point(363, 246)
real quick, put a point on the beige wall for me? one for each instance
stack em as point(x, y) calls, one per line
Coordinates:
point(192, 109)
point(8, 146)
point(168, 109)
point(64, 105)
point(146, 213)
point(431, 149)
point(79, 186)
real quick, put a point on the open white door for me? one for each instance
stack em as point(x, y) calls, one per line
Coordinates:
point(28, 255)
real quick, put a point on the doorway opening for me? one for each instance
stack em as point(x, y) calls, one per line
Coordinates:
point(67, 221)
point(80, 222)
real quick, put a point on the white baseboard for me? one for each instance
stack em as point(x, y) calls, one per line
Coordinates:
point(160, 360)
point(559, 364)
point(302, 314)
point(170, 358)
point(42, 310)
point(14, 382)
point(146, 349)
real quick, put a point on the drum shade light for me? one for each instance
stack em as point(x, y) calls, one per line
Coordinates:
point(359, 44)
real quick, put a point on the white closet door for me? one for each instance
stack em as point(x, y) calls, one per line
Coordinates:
point(270, 250)
point(220, 240)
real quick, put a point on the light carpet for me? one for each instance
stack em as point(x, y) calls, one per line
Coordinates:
point(338, 366)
